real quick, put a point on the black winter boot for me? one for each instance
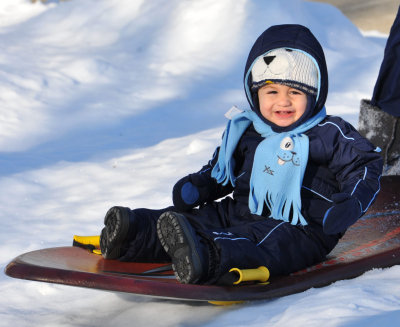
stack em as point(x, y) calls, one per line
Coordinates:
point(116, 232)
point(182, 244)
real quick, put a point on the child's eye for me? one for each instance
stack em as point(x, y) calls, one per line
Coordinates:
point(296, 92)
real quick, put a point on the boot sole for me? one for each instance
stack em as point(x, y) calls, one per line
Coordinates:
point(173, 230)
point(113, 235)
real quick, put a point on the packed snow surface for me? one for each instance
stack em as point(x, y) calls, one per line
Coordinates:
point(109, 102)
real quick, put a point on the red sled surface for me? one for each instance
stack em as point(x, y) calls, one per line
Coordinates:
point(373, 242)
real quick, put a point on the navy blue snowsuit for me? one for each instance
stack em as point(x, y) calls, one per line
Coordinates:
point(386, 93)
point(340, 160)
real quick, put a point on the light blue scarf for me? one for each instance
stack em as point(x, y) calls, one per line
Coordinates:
point(279, 164)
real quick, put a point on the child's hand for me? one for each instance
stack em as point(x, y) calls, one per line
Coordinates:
point(344, 213)
point(190, 192)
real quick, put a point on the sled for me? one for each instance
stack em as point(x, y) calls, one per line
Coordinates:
point(373, 242)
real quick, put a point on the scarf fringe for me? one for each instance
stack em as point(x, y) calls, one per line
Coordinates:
point(284, 208)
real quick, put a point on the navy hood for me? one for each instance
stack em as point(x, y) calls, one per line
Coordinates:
point(291, 36)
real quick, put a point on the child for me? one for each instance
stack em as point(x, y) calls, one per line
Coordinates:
point(299, 178)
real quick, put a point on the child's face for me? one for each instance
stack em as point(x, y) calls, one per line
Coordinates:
point(281, 104)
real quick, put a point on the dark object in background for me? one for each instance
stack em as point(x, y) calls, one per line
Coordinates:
point(379, 118)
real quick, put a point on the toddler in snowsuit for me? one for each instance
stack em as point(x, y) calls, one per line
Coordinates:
point(291, 178)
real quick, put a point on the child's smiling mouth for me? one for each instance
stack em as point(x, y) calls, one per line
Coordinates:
point(284, 113)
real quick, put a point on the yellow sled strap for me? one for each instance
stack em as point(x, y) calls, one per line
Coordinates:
point(88, 240)
point(91, 243)
point(225, 303)
point(260, 274)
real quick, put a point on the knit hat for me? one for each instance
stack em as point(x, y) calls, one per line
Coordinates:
point(288, 67)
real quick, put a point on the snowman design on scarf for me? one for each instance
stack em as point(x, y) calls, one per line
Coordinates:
point(286, 153)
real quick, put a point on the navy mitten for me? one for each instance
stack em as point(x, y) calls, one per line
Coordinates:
point(191, 191)
point(345, 212)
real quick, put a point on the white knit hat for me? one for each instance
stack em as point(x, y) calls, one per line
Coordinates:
point(286, 66)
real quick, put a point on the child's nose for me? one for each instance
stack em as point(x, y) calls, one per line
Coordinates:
point(284, 100)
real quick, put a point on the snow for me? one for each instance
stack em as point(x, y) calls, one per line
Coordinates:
point(109, 102)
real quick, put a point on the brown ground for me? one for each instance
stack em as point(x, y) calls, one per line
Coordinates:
point(368, 15)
